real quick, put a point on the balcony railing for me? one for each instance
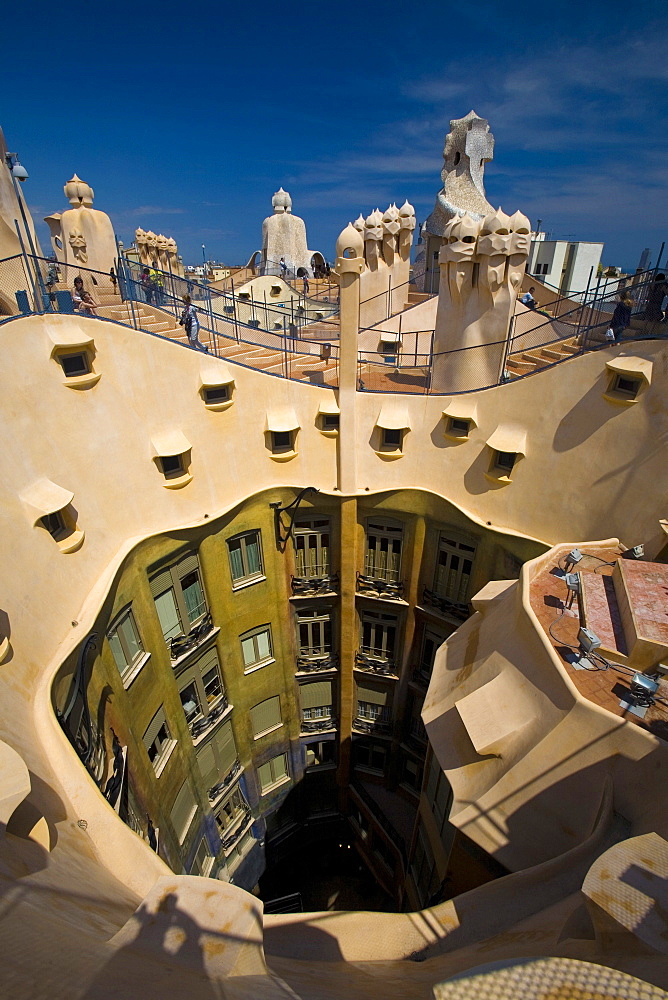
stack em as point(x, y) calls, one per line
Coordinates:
point(318, 725)
point(372, 726)
point(246, 816)
point(182, 644)
point(218, 789)
point(371, 586)
point(314, 586)
point(202, 725)
point(313, 663)
point(375, 664)
point(453, 609)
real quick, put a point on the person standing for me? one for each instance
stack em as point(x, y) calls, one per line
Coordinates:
point(147, 285)
point(621, 317)
point(190, 322)
point(158, 283)
point(306, 285)
point(284, 268)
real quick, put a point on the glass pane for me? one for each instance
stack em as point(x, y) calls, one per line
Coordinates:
point(193, 595)
point(248, 650)
point(300, 556)
point(252, 554)
point(212, 685)
point(169, 617)
point(190, 702)
point(130, 637)
point(279, 767)
point(117, 650)
point(236, 562)
point(263, 645)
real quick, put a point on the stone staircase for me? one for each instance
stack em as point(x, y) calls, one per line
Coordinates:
point(525, 362)
point(415, 297)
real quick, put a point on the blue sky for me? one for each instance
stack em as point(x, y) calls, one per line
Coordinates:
point(186, 118)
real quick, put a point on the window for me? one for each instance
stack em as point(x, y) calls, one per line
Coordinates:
point(125, 643)
point(311, 542)
point(75, 364)
point(266, 717)
point(370, 755)
point(430, 643)
point(330, 421)
point(374, 701)
point(453, 569)
point(360, 821)
point(458, 427)
point(625, 386)
point(232, 810)
point(379, 634)
point(171, 465)
point(316, 701)
point(282, 441)
point(314, 628)
point(202, 692)
point(217, 760)
point(245, 552)
point(158, 741)
point(273, 773)
point(319, 754)
point(503, 462)
point(411, 773)
point(203, 861)
point(55, 525)
point(183, 811)
point(423, 868)
point(179, 598)
point(256, 648)
point(391, 436)
point(439, 794)
point(216, 394)
point(416, 731)
point(241, 848)
point(383, 550)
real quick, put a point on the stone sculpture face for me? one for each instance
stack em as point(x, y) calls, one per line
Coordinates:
point(461, 234)
point(162, 243)
point(152, 240)
point(359, 223)
point(391, 224)
point(373, 227)
point(494, 235)
point(520, 238)
point(140, 238)
point(407, 216)
point(171, 245)
point(78, 243)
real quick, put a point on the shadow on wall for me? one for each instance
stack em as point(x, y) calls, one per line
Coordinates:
point(588, 415)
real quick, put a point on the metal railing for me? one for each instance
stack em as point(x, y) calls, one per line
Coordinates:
point(372, 586)
point(308, 726)
point(452, 609)
point(314, 586)
point(315, 664)
point(37, 285)
point(216, 790)
point(182, 644)
point(375, 664)
point(204, 724)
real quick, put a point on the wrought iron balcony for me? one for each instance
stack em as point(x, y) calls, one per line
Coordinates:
point(372, 586)
point(218, 789)
point(228, 842)
point(453, 609)
point(374, 664)
point(318, 725)
point(314, 586)
point(372, 726)
point(202, 725)
point(182, 644)
point(312, 664)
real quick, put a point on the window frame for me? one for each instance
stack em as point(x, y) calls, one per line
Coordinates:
point(276, 782)
point(249, 576)
point(206, 864)
point(307, 529)
point(635, 382)
point(261, 661)
point(163, 747)
point(383, 531)
point(384, 621)
point(320, 620)
point(194, 677)
point(177, 591)
point(132, 664)
point(459, 547)
point(275, 725)
point(86, 363)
